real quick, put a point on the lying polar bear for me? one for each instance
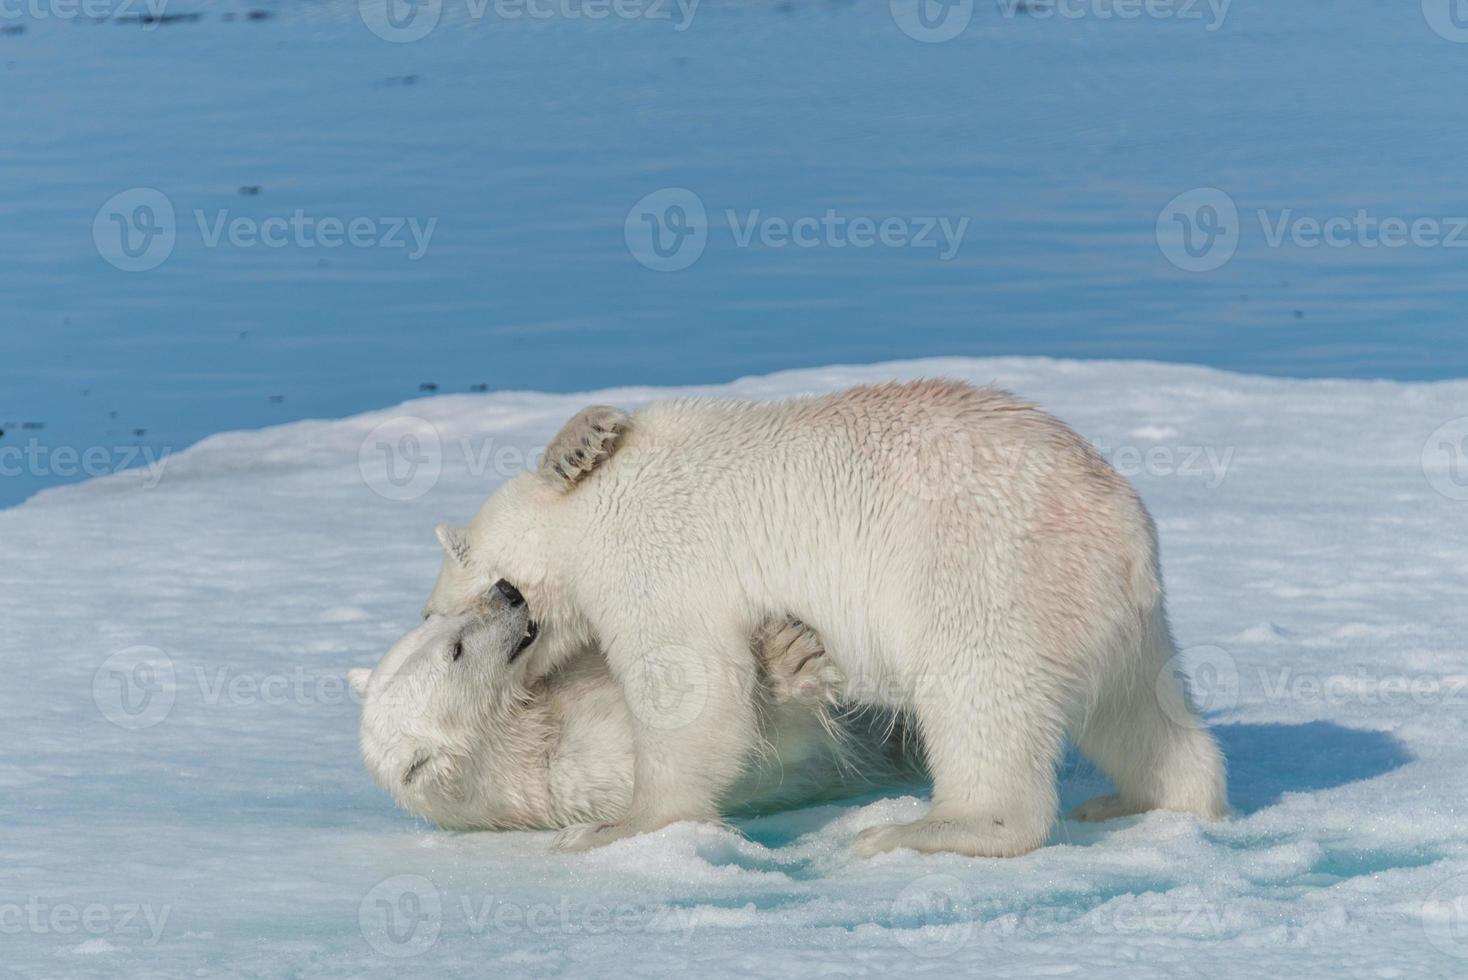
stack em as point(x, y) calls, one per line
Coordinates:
point(965, 557)
point(458, 731)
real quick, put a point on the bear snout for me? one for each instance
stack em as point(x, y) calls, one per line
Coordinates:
point(510, 592)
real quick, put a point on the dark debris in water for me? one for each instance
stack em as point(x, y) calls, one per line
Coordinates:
point(428, 386)
point(13, 29)
point(250, 190)
point(190, 18)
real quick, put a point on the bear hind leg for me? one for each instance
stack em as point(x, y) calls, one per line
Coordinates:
point(1146, 737)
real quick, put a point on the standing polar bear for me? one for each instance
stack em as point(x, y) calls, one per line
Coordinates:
point(967, 559)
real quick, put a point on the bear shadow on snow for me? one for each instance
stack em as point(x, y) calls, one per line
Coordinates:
point(1265, 761)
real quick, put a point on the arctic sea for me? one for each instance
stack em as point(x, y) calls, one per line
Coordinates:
point(225, 215)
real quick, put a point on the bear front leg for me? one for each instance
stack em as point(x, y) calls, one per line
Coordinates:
point(691, 704)
point(992, 739)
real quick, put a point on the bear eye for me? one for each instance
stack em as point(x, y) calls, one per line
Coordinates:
point(458, 650)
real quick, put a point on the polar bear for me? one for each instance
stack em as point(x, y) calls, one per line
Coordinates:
point(454, 728)
point(967, 559)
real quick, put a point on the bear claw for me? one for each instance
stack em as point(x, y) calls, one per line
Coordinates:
point(584, 442)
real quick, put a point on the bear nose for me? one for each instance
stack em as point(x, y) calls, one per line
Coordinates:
point(510, 592)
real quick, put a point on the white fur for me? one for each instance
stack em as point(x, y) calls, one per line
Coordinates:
point(965, 556)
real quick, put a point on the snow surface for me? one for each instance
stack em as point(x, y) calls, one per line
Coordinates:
point(197, 808)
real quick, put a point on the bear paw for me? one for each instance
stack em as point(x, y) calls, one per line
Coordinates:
point(796, 665)
point(587, 440)
point(972, 836)
point(589, 836)
point(1107, 807)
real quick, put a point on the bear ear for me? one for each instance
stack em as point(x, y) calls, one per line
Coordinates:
point(358, 678)
point(583, 444)
point(455, 542)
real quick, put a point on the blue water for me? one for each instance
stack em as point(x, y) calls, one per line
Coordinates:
point(527, 142)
